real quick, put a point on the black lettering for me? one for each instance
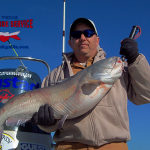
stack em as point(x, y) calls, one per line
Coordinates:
point(16, 47)
point(7, 139)
point(16, 17)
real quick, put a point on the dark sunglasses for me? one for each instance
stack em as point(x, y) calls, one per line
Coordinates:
point(87, 33)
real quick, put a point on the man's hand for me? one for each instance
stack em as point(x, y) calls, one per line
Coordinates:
point(44, 116)
point(129, 49)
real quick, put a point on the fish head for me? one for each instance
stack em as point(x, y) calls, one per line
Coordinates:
point(108, 70)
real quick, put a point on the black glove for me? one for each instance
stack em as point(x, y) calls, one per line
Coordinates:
point(44, 116)
point(129, 49)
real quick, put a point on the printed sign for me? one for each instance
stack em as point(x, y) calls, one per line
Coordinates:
point(5, 94)
point(13, 83)
point(9, 141)
point(12, 21)
point(28, 23)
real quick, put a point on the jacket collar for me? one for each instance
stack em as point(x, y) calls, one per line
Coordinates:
point(67, 57)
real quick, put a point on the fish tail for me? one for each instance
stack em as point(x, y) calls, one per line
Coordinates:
point(2, 122)
point(1, 132)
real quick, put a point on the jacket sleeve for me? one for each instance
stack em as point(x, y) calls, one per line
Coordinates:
point(139, 81)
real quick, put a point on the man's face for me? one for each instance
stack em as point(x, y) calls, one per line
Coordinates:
point(84, 46)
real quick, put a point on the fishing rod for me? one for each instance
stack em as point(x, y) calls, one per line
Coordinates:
point(63, 46)
point(16, 54)
point(133, 35)
point(21, 62)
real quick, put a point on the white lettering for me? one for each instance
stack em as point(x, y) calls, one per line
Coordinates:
point(16, 73)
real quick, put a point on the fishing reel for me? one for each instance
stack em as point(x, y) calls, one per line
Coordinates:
point(133, 35)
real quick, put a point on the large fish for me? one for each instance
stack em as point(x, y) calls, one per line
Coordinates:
point(69, 99)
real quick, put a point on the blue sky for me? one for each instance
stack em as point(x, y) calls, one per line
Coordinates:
point(114, 20)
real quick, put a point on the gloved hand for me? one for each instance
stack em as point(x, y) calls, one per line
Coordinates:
point(44, 116)
point(129, 49)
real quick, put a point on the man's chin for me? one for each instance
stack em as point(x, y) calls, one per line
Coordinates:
point(84, 50)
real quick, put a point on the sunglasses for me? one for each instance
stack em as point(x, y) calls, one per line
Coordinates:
point(87, 33)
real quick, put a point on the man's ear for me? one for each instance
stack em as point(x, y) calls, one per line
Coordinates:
point(69, 42)
point(98, 39)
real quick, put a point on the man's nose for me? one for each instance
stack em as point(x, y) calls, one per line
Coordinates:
point(82, 37)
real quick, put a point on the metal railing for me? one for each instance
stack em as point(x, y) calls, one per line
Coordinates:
point(26, 58)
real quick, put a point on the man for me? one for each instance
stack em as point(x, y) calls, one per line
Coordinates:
point(105, 127)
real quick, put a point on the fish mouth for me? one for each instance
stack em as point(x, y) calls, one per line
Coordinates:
point(119, 60)
point(115, 64)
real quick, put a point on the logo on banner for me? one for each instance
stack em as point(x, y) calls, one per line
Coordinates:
point(5, 94)
point(5, 36)
point(31, 146)
point(8, 22)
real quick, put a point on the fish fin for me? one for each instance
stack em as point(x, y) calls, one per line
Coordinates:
point(90, 79)
point(16, 120)
point(88, 88)
point(61, 121)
